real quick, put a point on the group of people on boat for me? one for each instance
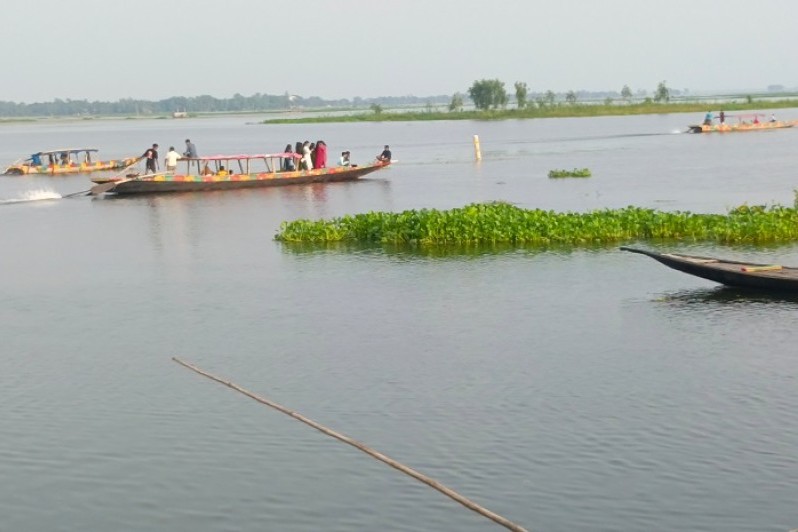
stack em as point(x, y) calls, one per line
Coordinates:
point(722, 118)
point(312, 155)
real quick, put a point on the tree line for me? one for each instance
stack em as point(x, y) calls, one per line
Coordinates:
point(491, 94)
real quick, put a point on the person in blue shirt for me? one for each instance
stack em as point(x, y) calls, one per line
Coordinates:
point(36, 159)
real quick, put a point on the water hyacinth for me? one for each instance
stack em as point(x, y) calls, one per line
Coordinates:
point(576, 172)
point(492, 223)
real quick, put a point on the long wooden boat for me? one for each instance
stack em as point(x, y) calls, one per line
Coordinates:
point(66, 161)
point(773, 277)
point(741, 126)
point(227, 172)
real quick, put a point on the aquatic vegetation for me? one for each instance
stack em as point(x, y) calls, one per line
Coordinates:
point(576, 172)
point(492, 223)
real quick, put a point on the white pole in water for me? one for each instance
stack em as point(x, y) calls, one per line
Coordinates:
point(477, 151)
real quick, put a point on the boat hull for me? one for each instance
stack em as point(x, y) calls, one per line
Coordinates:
point(195, 183)
point(768, 277)
point(732, 128)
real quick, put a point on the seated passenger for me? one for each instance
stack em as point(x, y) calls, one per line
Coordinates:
point(36, 159)
point(221, 171)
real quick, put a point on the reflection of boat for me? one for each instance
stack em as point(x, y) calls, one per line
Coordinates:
point(66, 161)
point(218, 173)
point(729, 272)
point(745, 122)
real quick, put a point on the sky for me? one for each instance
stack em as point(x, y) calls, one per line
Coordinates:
point(154, 49)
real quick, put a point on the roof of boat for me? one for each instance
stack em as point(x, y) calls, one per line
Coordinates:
point(68, 150)
point(242, 156)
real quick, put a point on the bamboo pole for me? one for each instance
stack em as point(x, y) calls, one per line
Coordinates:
point(477, 149)
point(354, 443)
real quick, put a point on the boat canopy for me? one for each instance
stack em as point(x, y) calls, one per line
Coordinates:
point(67, 150)
point(242, 157)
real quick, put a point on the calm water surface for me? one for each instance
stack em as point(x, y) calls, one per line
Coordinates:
point(564, 389)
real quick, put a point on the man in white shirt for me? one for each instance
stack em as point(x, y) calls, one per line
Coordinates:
point(171, 159)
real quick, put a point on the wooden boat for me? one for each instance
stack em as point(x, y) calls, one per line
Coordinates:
point(66, 161)
point(227, 172)
point(743, 123)
point(772, 277)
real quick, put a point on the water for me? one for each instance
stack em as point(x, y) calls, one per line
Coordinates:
point(562, 389)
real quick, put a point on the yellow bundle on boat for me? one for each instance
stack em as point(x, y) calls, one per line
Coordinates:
point(761, 268)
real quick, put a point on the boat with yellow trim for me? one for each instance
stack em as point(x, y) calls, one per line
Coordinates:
point(228, 172)
point(66, 161)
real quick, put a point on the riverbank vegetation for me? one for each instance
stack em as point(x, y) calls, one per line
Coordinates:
point(576, 172)
point(494, 223)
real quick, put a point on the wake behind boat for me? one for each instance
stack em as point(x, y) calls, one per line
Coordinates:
point(66, 161)
point(227, 172)
point(773, 277)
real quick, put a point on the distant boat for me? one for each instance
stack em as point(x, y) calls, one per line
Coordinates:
point(180, 114)
point(218, 173)
point(66, 161)
point(744, 122)
point(773, 277)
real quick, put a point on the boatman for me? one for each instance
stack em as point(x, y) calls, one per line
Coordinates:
point(191, 150)
point(151, 155)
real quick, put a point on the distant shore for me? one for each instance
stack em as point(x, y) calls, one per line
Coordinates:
point(550, 111)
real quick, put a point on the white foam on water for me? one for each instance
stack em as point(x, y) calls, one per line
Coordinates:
point(34, 195)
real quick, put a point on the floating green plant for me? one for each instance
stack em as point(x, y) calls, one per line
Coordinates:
point(576, 172)
point(483, 223)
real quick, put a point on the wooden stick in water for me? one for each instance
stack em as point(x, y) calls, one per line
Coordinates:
point(354, 443)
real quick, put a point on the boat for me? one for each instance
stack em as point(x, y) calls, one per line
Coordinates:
point(773, 277)
point(66, 161)
point(744, 122)
point(227, 172)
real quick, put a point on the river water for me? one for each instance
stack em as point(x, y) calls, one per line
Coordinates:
point(563, 389)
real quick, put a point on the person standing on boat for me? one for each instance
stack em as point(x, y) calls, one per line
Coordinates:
point(708, 118)
point(151, 155)
point(191, 150)
point(306, 163)
point(722, 117)
point(385, 156)
point(320, 160)
point(171, 159)
point(288, 161)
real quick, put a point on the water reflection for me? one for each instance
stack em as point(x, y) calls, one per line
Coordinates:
point(725, 296)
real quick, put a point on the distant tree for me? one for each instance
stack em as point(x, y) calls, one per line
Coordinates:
point(488, 93)
point(663, 93)
point(376, 108)
point(626, 93)
point(521, 90)
point(570, 98)
point(749, 99)
point(457, 102)
point(550, 98)
point(608, 101)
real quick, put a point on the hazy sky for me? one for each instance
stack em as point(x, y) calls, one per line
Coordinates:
point(148, 49)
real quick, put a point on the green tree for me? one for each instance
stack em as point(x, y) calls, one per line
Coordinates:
point(521, 90)
point(663, 93)
point(488, 93)
point(550, 98)
point(570, 98)
point(457, 102)
point(377, 108)
point(626, 93)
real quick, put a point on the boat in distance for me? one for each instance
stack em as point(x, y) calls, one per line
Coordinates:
point(228, 172)
point(772, 277)
point(743, 123)
point(66, 161)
